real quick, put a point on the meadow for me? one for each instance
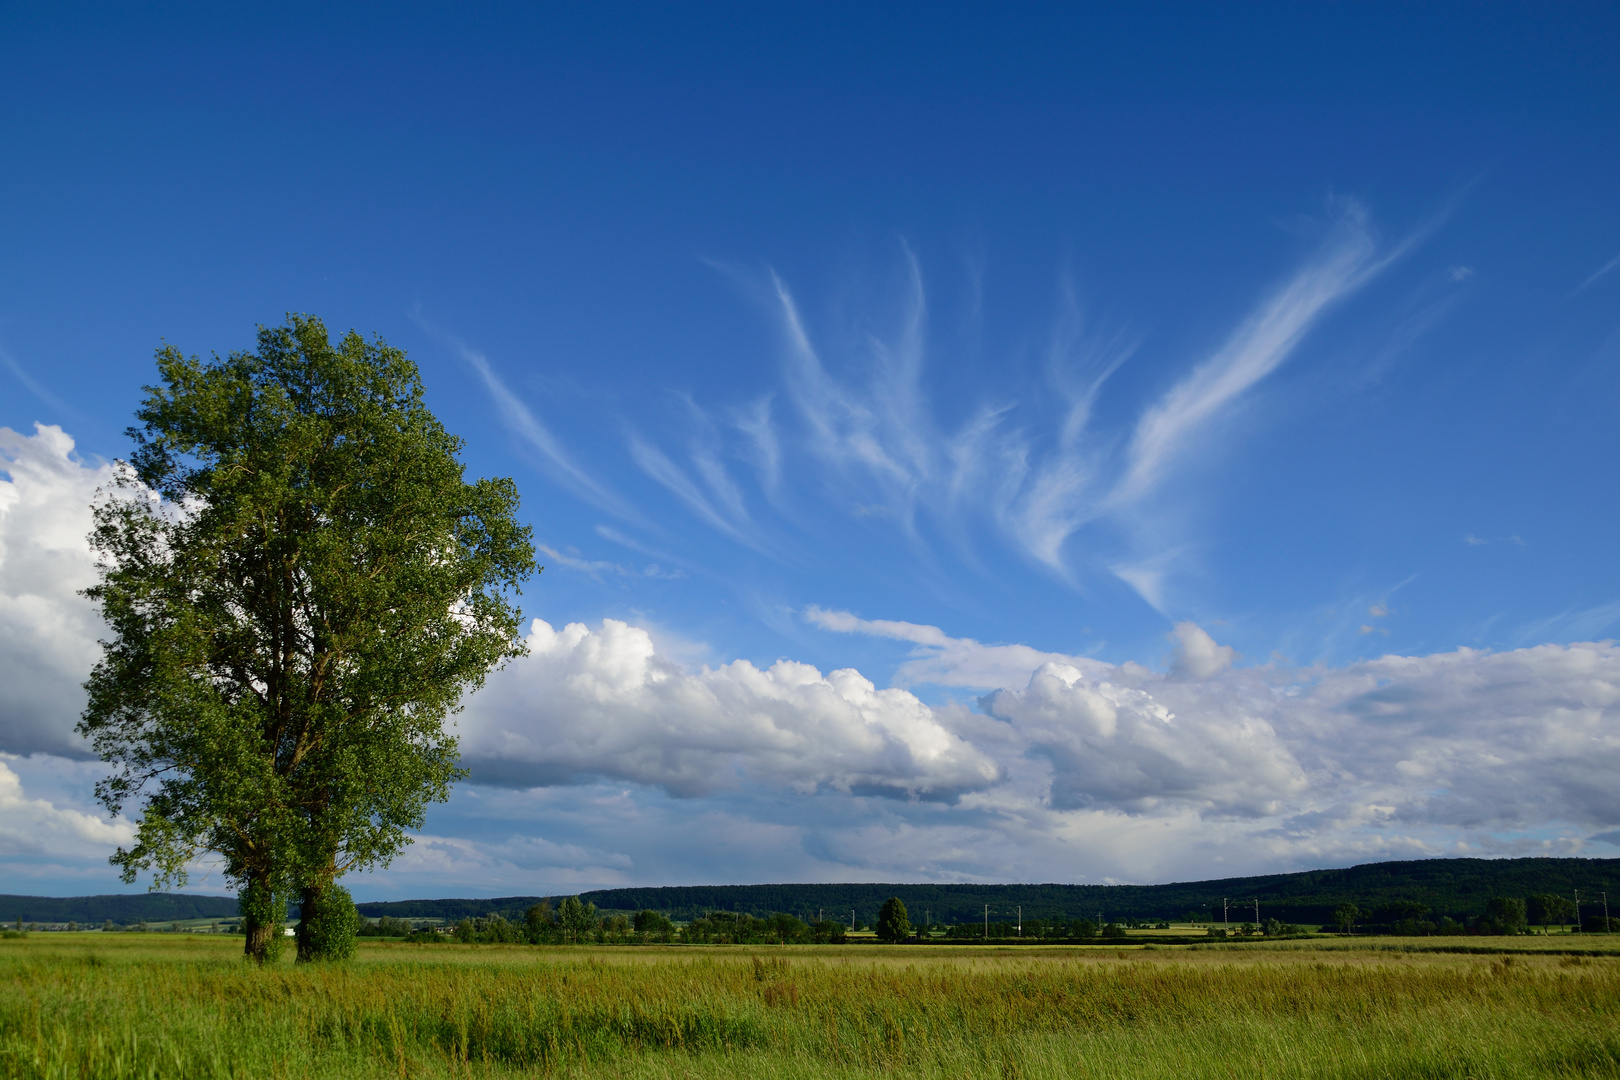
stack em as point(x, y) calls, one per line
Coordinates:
point(178, 1005)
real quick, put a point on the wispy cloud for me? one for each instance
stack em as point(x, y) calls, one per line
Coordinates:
point(519, 419)
point(858, 425)
point(33, 386)
point(1171, 428)
point(1604, 269)
point(657, 465)
point(596, 568)
point(521, 422)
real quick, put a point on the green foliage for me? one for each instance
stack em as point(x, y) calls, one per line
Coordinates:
point(1458, 887)
point(328, 927)
point(1345, 916)
point(892, 923)
point(1113, 931)
point(1545, 909)
point(577, 921)
point(1504, 915)
point(386, 927)
point(1396, 911)
point(655, 925)
point(263, 911)
point(538, 924)
point(299, 586)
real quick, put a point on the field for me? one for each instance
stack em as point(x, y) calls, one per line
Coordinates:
point(180, 1005)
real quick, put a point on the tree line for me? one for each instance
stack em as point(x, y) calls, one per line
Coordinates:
point(1502, 915)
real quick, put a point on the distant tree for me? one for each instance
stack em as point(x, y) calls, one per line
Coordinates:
point(786, 929)
point(1504, 915)
point(1396, 911)
point(655, 925)
point(829, 932)
point(1345, 917)
point(538, 924)
point(300, 586)
point(1083, 929)
point(892, 923)
point(576, 920)
point(1545, 909)
point(1113, 930)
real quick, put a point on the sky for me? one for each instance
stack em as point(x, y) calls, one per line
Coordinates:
point(1083, 443)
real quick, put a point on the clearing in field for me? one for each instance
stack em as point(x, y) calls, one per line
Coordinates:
point(127, 1005)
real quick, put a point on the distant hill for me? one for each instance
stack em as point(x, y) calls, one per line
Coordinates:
point(1455, 887)
point(121, 908)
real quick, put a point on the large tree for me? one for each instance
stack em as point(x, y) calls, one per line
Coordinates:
point(893, 924)
point(300, 587)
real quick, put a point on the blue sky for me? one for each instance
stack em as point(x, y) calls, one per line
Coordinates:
point(1211, 356)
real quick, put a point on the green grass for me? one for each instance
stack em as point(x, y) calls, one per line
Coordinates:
point(155, 1005)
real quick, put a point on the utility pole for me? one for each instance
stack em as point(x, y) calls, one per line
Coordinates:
point(1021, 918)
point(1577, 911)
point(1605, 913)
point(1226, 919)
point(1257, 914)
point(852, 920)
point(987, 922)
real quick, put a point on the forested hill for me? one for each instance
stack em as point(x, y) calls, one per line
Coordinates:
point(1456, 887)
point(121, 908)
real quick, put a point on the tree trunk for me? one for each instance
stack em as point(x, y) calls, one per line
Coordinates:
point(259, 920)
point(309, 903)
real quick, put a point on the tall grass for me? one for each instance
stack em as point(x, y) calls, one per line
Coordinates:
point(148, 1007)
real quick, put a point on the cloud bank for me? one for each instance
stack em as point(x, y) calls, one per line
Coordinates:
point(48, 632)
point(599, 757)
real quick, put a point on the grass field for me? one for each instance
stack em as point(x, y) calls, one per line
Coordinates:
point(155, 1005)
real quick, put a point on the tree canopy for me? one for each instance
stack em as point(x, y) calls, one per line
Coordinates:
point(300, 587)
point(892, 922)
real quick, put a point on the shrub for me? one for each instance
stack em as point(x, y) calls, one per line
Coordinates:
point(328, 928)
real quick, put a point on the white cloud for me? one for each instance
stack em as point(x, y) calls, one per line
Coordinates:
point(1071, 766)
point(1120, 747)
point(1259, 345)
point(32, 826)
point(587, 703)
point(521, 421)
point(48, 633)
point(1469, 739)
point(1197, 656)
point(941, 660)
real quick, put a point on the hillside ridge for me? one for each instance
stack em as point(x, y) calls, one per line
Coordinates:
point(1456, 887)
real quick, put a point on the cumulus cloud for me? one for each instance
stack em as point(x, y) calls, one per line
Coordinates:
point(592, 703)
point(48, 632)
point(1464, 740)
point(1065, 760)
point(1121, 747)
point(33, 826)
point(1197, 656)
